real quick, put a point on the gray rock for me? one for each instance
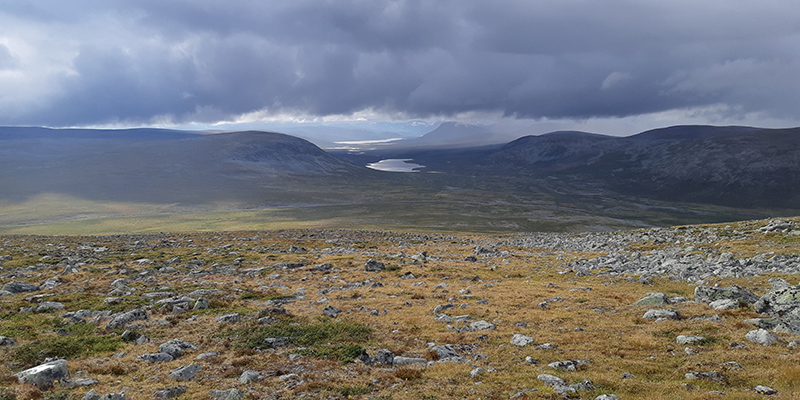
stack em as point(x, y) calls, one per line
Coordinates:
point(583, 386)
point(120, 320)
point(331, 311)
point(724, 304)
point(444, 352)
point(761, 337)
point(476, 372)
point(652, 299)
point(229, 318)
point(711, 376)
point(202, 303)
point(383, 356)
point(626, 375)
point(778, 283)
point(176, 347)
point(400, 361)
point(168, 393)
point(155, 357)
point(521, 340)
point(374, 265)
point(607, 397)
point(568, 365)
point(765, 390)
point(185, 373)
point(249, 376)
point(6, 341)
point(322, 267)
point(230, 394)
point(20, 287)
point(44, 376)
point(83, 382)
point(114, 396)
point(689, 339)
point(657, 313)
point(481, 326)
point(441, 307)
point(780, 303)
point(91, 395)
point(707, 294)
point(558, 384)
point(203, 356)
point(277, 341)
point(49, 306)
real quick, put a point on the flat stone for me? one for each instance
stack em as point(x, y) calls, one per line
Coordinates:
point(652, 299)
point(689, 339)
point(230, 394)
point(155, 357)
point(374, 265)
point(657, 313)
point(724, 304)
point(185, 373)
point(400, 361)
point(481, 326)
point(765, 390)
point(168, 393)
point(707, 294)
point(20, 287)
point(521, 340)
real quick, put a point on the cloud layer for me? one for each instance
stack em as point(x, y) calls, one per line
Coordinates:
point(203, 61)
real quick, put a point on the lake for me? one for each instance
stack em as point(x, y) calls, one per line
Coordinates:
point(395, 165)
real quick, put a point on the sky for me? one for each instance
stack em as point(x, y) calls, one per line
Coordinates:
point(611, 66)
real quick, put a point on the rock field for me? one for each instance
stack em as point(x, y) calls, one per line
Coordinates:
point(693, 312)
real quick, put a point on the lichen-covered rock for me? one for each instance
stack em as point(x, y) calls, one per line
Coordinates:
point(168, 393)
point(652, 299)
point(230, 394)
point(155, 357)
point(176, 347)
point(331, 311)
point(761, 337)
point(689, 339)
point(707, 294)
point(783, 303)
point(657, 313)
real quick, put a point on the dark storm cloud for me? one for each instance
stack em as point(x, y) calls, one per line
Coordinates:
point(206, 61)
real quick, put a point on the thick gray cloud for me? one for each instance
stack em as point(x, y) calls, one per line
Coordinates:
point(153, 61)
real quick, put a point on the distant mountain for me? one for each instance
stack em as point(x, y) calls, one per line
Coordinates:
point(457, 135)
point(736, 166)
point(152, 165)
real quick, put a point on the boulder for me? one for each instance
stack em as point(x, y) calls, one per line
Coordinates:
point(374, 265)
point(568, 365)
point(707, 294)
point(400, 361)
point(689, 339)
point(657, 313)
point(176, 347)
point(168, 393)
point(783, 303)
point(249, 376)
point(558, 384)
point(724, 304)
point(45, 375)
point(6, 341)
point(481, 326)
point(155, 357)
point(765, 390)
point(607, 397)
point(185, 373)
point(230, 394)
point(20, 287)
point(229, 318)
point(444, 352)
point(652, 299)
point(761, 336)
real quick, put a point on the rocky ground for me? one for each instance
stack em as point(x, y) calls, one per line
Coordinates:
point(692, 312)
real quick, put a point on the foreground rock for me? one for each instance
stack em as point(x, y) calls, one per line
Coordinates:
point(45, 375)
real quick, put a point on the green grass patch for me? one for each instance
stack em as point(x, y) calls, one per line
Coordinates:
point(307, 335)
point(66, 347)
point(348, 391)
point(344, 353)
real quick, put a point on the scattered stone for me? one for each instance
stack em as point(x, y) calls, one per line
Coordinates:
point(765, 390)
point(374, 265)
point(761, 336)
point(185, 373)
point(521, 340)
point(557, 384)
point(155, 357)
point(626, 375)
point(275, 342)
point(331, 311)
point(7, 342)
point(711, 376)
point(203, 356)
point(707, 294)
point(202, 303)
point(652, 299)
point(401, 361)
point(689, 339)
point(445, 352)
point(784, 303)
point(176, 347)
point(477, 372)
point(249, 376)
point(20, 287)
point(45, 375)
point(724, 304)
point(607, 397)
point(657, 313)
point(168, 393)
point(584, 386)
point(120, 320)
point(481, 326)
point(568, 365)
point(230, 394)
point(229, 319)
